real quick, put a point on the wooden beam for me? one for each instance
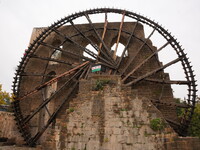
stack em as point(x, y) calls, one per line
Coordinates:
point(50, 59)
point(131, 60)
point(127, 44)
point(89, 40)
point(143, 62)
point(46, 101)
point(153, 72)
point(83, 48)
point(118, 38)
point(53, 116)
point(104, 32)
point(104, 45)
point(52, 81)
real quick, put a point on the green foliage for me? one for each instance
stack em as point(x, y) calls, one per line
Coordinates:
point(106, 140)
point(157, 124)
point(100, 84)
point(194, 129)
point(179, 111)
point(5, 98)
point(71, 109)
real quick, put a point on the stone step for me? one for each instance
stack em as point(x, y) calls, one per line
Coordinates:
point(7, 142)
point(3, 139)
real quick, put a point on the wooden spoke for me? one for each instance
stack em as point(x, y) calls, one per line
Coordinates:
point(34, 74)
point(53, 116)
point(153, 72)
point(101, 40)
point(52, 81)
point(173, 104)
point(103, 35)
point(172, 122)
point(179, 82)
point(46, 101)
point(65, 51)
point(88, 70)
point(144, 43)
point(83, 48)
point(83, 35)
point(89, 40)
point(118, 38)
point(126, 47)
point(143, 62)
point(51, 59)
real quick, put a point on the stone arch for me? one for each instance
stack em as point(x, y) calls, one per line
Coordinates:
point(121, 46)
point(56, 53)
point(90, 47)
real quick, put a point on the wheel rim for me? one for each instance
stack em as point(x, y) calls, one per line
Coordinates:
point(105, 57)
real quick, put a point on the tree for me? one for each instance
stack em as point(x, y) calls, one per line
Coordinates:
point(5, 97)
point(194, 129)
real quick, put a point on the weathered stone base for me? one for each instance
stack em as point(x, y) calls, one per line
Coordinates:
point(183, 143)
point(8, 128)
point(112, 119)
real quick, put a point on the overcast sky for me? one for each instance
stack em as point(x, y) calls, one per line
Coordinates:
point(19, 17)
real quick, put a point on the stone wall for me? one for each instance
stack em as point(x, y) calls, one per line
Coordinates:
point(8, 128)
point(113, 118)
point(110, 119)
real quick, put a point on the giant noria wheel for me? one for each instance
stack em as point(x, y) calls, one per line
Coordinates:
point(63, 54)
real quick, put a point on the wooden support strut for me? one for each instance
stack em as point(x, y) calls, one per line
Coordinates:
point(125, 48)
point(53, 80)
point(46, 101)
point(104, 32)
point(83, 48)
point(118, 38)
point(50, 59)
point(125, 68)
point(172, 104)
point(89, 40)
point(143, 62)
point(70, 53)
point(53, 116)
point(153, 72)
point(103, 43)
